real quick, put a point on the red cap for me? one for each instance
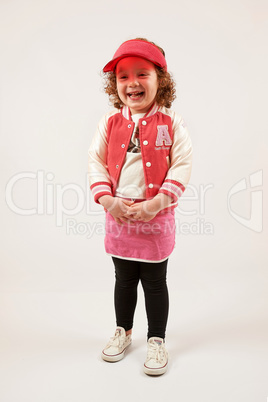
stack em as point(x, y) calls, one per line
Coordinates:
point(138, 48)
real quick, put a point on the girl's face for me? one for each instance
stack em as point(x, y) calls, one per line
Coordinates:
point(137, 83)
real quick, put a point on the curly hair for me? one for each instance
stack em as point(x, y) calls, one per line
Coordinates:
point(166, 92)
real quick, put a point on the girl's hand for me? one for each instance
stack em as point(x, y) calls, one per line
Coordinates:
point(118, 208)
point(145, 211)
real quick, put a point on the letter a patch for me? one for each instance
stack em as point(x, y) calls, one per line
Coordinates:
point(163, 137)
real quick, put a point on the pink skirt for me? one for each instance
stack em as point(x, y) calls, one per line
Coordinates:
point(151, 241)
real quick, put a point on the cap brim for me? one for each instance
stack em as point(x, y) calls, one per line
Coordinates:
point(137, 48)
point(112, 64)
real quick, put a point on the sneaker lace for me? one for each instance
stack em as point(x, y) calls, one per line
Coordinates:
point(117, 340)
point(155, 352)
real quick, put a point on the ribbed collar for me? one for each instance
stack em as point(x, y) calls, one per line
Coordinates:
point(125, 110)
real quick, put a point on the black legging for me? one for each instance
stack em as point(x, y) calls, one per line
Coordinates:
point(153, 279)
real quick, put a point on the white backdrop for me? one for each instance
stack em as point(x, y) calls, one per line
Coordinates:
point(56, 281)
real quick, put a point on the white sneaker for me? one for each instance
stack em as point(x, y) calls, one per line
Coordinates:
point(157, 357)
point(115, 349)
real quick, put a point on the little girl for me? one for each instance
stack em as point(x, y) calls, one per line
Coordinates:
point(139, 165)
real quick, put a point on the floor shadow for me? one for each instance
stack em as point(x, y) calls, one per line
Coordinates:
point(221, 334)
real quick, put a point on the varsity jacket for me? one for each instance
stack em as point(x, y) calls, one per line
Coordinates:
point(166, 150)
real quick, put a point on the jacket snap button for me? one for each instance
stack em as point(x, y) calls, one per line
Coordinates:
point(145, 142)
point(123, 146)
point(151, 185)
point(117, 166)
point(129, 126)
point(148, 164)
point(144, 123)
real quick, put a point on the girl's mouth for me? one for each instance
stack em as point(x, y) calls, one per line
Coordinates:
point(135, 95)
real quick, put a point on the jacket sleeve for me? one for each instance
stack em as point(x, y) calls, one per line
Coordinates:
point(99, 181)
point(180, 168)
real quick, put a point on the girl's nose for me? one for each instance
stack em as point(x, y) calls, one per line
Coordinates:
point(133, 82)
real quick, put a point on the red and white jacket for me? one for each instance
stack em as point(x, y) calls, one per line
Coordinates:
point(166, 150)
